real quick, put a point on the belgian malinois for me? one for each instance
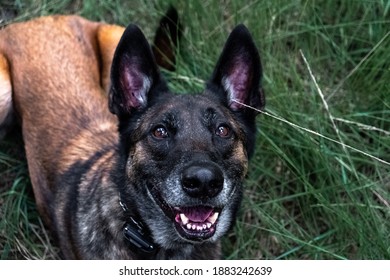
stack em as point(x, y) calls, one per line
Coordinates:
point(144, 173)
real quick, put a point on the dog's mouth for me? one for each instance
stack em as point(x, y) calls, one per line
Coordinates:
point(193, 223)
point(196, 223)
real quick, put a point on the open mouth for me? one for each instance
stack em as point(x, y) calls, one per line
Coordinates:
point(196, 223)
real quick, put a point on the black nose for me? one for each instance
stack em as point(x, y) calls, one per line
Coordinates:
point(202, 180)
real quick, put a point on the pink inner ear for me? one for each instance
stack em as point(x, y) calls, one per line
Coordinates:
point(237, 84)
point(136, 86)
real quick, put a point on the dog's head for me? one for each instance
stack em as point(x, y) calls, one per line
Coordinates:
point(185, 156)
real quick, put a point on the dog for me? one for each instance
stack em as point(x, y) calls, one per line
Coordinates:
point(121, 167)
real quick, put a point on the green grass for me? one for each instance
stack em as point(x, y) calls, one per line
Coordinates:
point(319, 182)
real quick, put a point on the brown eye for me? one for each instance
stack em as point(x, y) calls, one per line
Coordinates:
point(223, 131)
point(160, 132)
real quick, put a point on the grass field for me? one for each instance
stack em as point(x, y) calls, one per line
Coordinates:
point(319, 182)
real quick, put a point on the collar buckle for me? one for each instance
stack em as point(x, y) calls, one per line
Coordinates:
point(134, 233)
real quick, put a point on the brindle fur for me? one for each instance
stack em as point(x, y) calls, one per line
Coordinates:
point(54, 75)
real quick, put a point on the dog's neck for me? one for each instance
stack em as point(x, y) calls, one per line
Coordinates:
point(140, 240)
point(136, 234)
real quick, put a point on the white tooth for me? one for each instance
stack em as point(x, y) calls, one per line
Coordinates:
point(208, 225)
point(213, 218)
point(199, 228)
point(204, 226)
point(184, 219)
point(193, 227)
point(189, 226)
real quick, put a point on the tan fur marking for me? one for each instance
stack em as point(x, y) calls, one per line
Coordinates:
point(81, 148)
point(137, 156)
point(56, 93)
point(240, 155)
point(108, 37)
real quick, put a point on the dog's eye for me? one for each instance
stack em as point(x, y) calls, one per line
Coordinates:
point(160, 132)
point(223, 131)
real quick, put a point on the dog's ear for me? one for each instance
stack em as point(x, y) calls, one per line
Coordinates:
point(237, 75)
point(167, 39)
point(135, 77)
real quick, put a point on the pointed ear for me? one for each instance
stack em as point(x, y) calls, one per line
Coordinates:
point(167, 39)
point(134, 74)
point(237, 75)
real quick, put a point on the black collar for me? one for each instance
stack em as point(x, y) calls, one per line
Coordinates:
point(136, 233)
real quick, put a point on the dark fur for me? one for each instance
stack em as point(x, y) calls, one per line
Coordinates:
point(80, 166)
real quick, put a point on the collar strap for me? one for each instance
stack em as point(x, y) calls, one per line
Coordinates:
point(135, 233)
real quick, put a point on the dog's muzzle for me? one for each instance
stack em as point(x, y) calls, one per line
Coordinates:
point(201, 183)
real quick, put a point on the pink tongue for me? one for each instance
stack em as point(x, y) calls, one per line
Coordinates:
point(197, 214)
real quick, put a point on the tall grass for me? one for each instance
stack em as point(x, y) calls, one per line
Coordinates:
point(319, 182)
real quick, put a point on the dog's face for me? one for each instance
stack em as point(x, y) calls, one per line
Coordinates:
point(185, 156)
